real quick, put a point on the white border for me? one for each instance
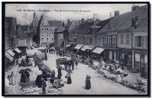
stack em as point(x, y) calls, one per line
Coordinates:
point(64, 98)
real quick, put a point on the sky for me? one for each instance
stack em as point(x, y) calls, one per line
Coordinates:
point(24, 12)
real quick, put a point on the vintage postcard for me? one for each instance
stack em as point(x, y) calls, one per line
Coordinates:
point(76, 49)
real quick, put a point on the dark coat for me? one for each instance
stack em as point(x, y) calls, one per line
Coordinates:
point(69, 80)
point(59, 73)
point(40, 81)
point(52, 78)
point(87, 83)
point(25, 76)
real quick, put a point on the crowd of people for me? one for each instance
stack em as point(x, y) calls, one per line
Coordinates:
point(54, 78)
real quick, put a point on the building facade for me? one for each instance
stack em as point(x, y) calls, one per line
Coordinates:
point(107, 39)
point(133, 41)
point(125, 39)
point(24, 36)
point(10, 32)
point(46, 35)
point(83, 32)
point(140, 41)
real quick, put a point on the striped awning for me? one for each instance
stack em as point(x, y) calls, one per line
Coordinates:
point(98, 50)
point(11, 52)
point(8, 56)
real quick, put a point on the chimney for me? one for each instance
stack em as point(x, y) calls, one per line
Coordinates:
point(134, 22)
point(116, 13)
point(134, 8)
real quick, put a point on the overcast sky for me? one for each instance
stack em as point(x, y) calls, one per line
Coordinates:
point(24, 12)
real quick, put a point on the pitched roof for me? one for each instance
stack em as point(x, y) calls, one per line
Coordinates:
point(54, 23)
point(86, 26)
point(124, 21)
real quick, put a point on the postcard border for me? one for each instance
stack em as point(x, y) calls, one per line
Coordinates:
point(78, 95)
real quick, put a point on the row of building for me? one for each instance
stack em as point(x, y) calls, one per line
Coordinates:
point(124, 37)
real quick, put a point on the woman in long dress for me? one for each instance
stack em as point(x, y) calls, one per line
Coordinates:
point(69, 80)
point(87, 82)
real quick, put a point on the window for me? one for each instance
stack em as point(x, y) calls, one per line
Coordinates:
point(101, 40)
point(104, 42)
point(108, 40)
point(127, 39)
point(113, 42)
point(122, 40)
point(138, 41)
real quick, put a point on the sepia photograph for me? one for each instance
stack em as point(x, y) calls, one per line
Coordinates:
point(76, 49)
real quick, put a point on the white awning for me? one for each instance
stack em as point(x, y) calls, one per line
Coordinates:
point(78, 46)
point(98, 50)
point(41, 48)
point(11, 52)
point(8, 56)
point(86, 47)
point(17, 50)
point(68, 45)
point(52, 48)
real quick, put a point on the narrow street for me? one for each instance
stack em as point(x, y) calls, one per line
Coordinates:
point(100, 85)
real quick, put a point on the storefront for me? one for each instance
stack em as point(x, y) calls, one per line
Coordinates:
point(98, 53)
point(141, 62)
point(86, 50)
point(111, 55)
point(125, 58)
